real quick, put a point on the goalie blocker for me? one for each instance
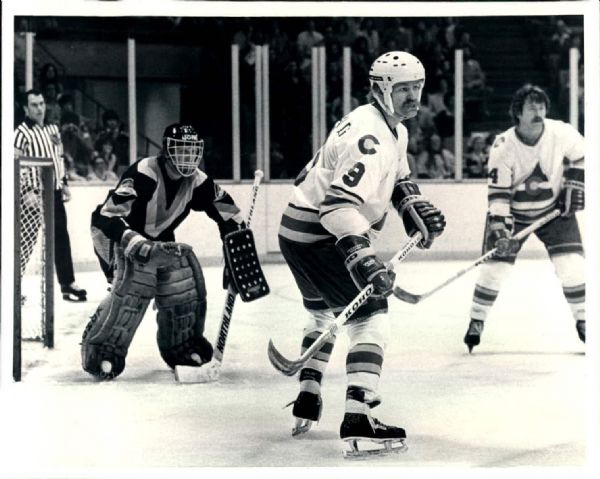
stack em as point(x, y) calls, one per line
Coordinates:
point(243, 266)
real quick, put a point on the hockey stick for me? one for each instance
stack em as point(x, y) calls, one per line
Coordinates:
point(291, 367)
point(210, 371)
point(411, 298)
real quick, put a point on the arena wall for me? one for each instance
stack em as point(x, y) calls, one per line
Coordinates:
point(464, 205)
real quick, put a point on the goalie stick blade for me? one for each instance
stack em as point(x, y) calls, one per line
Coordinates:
point(206, 373)
point(405, 296)
point(279, 362)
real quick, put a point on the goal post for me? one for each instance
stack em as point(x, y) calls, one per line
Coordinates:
point(33, 256)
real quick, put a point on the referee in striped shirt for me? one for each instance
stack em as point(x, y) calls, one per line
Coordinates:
point(33, 138)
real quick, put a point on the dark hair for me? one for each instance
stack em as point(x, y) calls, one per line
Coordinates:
point(109, 115)
point(33, 91)
point(527, 91)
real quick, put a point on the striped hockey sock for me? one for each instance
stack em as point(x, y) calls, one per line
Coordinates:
point(483, 300)
point(312, 374)
point(363, 368)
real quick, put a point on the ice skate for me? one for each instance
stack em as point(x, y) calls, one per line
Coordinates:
point(473, 336)
point(580, 325)
point(71, 292)
point(358, 426)
point(307, 409)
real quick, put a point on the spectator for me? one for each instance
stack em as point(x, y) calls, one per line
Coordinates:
point(436, 162)
point(67, 110)
point(105, 150)
point(112, 130)
point(100, 172)
point(370, 32)
point(308, 38)
point(476, 91)
point(476, 157)
point(50, 92)
point(77, 156)
point(49, 74)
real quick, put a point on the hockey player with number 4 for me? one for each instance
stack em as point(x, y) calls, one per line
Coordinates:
point(535, 167)
point(339, 204)
point(133, 233)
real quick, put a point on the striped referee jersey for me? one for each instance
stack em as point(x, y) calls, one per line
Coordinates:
point(40, 142)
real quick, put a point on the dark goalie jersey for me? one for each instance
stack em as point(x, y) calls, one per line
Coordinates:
point(147, 201)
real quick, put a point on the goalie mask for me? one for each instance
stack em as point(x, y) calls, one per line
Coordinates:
point(391, 68)
point(183, 148)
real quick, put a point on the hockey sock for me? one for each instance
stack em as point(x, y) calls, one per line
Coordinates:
point(363, 368)
point(483, 300)
point(312, 374)
point(575, 296)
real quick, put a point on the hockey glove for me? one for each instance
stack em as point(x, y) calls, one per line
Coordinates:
point(417, 213)
point(572, 197)
point(136, 247)
point(227, 279)
point(364, 266)
point(499, 236)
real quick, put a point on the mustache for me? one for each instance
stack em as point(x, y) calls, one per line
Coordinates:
point(537, 119)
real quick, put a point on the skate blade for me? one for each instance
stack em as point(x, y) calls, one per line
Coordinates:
point(301, 427)
point(389, 447)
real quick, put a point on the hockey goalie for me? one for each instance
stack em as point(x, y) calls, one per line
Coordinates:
point(133, 232)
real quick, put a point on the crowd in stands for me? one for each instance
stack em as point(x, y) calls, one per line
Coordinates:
point(98, 152)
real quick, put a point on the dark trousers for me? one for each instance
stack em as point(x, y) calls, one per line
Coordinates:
point(62, 244)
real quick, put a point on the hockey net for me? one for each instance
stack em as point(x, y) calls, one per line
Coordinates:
point(34, 257)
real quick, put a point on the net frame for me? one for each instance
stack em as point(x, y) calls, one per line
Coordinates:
point(45, 167)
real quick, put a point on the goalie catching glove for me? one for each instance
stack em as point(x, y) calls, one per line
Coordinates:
point(417, 213)
point(364, 266)
point(572, 197)
point(498, 235)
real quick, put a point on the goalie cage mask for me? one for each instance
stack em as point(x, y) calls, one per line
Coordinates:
point(183, 148)
point(242, 260)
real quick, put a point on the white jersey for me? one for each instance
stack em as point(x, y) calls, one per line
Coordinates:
point(347, 187)
point(525, 180)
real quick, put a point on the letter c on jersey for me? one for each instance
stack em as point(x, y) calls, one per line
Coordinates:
point(366, 145)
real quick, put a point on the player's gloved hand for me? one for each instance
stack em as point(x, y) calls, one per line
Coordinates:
point(417, 213)
point(572, 197)
point(364, 266)
point(227, 280)
point(136, 247)
point(203, 351)
point(499, 236)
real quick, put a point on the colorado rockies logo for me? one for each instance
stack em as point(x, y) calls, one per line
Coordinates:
point(366, 145)
point(534, 185)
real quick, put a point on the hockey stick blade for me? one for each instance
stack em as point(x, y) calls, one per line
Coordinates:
point(411, 298)
point(207, 373)
point(291, 367)
point(405, 296)
point(279, 362)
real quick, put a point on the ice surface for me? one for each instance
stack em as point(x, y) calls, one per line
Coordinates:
point(519, 400)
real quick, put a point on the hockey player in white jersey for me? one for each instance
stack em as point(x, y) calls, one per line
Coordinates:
point(339, 204)
point(534, 167)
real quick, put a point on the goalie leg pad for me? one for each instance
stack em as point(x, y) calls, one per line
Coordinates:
point(240, 254)
point(110, 331)
point(181, 303)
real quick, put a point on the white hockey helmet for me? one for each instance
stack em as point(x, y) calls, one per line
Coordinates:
point(391, 68)
point(182, 146)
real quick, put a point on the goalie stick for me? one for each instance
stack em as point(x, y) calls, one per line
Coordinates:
point(411, 298)
point(291, 367)
point(210, 371)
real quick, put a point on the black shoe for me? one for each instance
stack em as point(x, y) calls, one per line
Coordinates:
point(73, 293)
point(473, 336)
point(357, 426)
point(580, 325)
